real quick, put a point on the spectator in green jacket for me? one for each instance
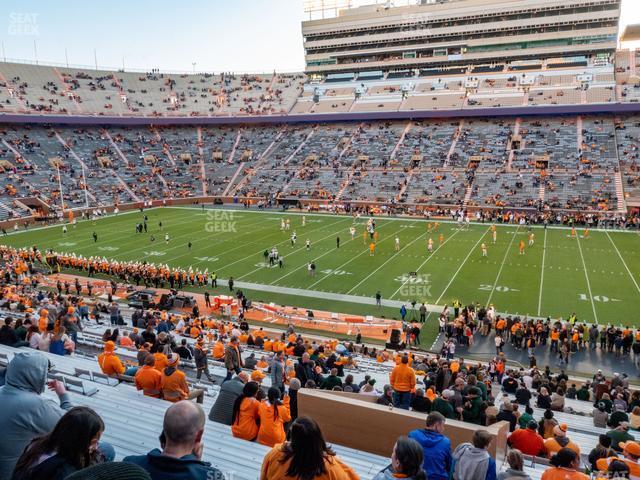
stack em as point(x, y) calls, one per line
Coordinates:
point(472, 411)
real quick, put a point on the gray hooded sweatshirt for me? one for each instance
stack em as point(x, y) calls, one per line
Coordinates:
point(471, 463)
point(26, 414)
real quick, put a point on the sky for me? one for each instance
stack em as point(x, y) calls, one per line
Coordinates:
point(215, 35)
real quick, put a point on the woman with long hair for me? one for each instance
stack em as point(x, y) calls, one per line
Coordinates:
point(71, 446)
point(565, 465)
point(406, 461)
point(306, 456)
point(246, 413)
point(274, 413)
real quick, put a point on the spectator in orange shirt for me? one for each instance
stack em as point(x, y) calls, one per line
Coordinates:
point(305, 455)
point(125, 340)
point(565, 465)
point(560, 441)
point(174, 383)
point(403, 382)
point(246, 413)
point(218, 350)
point(274, 413)
point(148, 379)
point(111, 365)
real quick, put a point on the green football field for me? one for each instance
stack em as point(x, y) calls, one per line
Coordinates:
point(597, 277)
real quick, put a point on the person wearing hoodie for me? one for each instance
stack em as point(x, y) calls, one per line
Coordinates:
point(174, 383)
point(472, 460)
point(559, 441)
point(437, 447)
point(600, 416)
point(25, 413)
point(516, 465)
point(182, 445)
point(406, 462)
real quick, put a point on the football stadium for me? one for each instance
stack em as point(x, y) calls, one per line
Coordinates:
point(320, 239)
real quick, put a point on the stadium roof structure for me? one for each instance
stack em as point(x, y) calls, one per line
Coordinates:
point(631, 33)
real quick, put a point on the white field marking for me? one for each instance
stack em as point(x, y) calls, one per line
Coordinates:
point(171, 227)
point(387, 261)
point(623, 262)
point(174, 240)
point(242, 245)
point(544, 251)
point(315, 258)
point(461, 265)
point(426, 261)
point(345, 263)
point(280, 243)
point(593, 305)
point(400, 219)
point(504, 259)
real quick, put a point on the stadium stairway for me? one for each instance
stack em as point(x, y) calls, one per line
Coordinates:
point(133, 423)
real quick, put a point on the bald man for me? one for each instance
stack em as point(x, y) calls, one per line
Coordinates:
point(182, 445)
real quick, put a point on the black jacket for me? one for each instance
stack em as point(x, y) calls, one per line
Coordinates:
point(161, 467)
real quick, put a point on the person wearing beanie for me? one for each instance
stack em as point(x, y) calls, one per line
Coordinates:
point(559, 441)
point(294, 386)
point(182, 447)
point(111, 365)
point(527, 440)
point(109, 471)
point(547, 424)
point(174, 383)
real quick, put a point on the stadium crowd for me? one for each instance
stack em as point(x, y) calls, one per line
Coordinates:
point(444, 387)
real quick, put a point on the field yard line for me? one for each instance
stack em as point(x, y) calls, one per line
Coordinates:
point(461, 265)
point(584, 265)
point(425, 262)
point(279, 243)
point(504, 259)
point(623, 262)
point(320, 280)
point(544, 252)
point(89, 241)
point(294, 252)
point(387, 261)
point(243, 245)
point(328, 252)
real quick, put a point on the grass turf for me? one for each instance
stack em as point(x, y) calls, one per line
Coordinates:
point(597, 278)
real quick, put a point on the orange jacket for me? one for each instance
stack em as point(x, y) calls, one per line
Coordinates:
point(403, 378)
point(218, 350)
point(271, 428)
point(246, 426)
point(274, 468)
point(174, 386)
point(161, 361)
point(110, 364)
point(149, 380)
